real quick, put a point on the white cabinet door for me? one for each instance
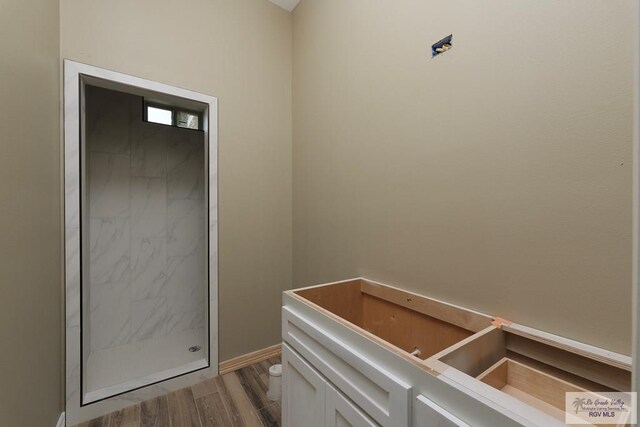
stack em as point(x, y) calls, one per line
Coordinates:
point(341, 412)
point(383, 396)
point(303, 392)
point(428, 414)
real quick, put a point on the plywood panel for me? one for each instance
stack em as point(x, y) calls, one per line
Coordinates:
point(536, 403)
point(558, 373)
point(536, 388)
point(458, 316)
point(496, 376)
point(395, 316)
point(477, 353)
point(409, 329)
point(539, 385)
point(596, 371)
point(343, 299)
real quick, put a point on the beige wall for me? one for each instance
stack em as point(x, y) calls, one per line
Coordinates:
point(497, 176)
point(30, 255)
point(239, 51)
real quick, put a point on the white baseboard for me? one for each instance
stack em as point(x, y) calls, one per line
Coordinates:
point(61, 421)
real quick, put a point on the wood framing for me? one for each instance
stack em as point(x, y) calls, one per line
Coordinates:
point(585, 350)
point(249, 359)
point(404, 319)
point(535, 367)
point(534, 387)
point(344, 300)
point(585, 366)
point(454, 315)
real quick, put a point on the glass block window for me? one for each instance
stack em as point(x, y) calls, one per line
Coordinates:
point(172, 116)
point(159, 115)
point(185, 119)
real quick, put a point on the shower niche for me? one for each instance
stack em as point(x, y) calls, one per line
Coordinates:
point(141, 239)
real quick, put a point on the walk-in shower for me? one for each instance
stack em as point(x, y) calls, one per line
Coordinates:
point(141, 239)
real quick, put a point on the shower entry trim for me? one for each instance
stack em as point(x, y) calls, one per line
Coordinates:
point(81, 404)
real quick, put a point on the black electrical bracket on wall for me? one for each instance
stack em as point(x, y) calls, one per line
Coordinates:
point(442, 46)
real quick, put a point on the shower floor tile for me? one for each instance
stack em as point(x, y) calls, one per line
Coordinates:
point(114, 370)
point(235, 399)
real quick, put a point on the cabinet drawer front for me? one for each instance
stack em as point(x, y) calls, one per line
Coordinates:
point(341, 412)
point(428, 414)
point(383, 397)
point(303, 392)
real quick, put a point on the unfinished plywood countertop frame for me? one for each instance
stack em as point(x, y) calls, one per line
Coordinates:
point(396, 319)
point(507, 373)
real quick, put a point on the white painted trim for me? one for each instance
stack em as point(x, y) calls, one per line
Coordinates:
point(635, 380)
point(587, 350)
point(349, 369)
point(292, 360)
point(74, 75)
point(61, 420)
point(338, 403)
point(429, 414)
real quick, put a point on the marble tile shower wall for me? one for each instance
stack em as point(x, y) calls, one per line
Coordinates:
point(146, 219)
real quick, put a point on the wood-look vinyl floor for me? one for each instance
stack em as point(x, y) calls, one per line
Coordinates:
point(236, 399)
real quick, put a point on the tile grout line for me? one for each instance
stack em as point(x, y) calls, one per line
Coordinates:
point(166, 397)
point(249, 392)
point(196, 405)
point(224, 405)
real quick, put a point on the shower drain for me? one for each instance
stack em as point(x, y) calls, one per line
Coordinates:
point(195, 348)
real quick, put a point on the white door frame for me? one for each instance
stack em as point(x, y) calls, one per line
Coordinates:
point(636, 205)
point(79, 405)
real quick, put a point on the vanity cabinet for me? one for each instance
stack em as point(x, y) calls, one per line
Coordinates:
point(428, 414)
point(342, 412)
point(359, 353)
point(308, 399)
point(382, 396)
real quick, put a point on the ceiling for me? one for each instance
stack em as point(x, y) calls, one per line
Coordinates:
point(286, 4)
